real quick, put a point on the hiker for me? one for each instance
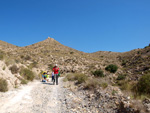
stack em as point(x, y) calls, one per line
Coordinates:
point(47, 76)
point(44, 77)
point(52, 76)
point(56, 71)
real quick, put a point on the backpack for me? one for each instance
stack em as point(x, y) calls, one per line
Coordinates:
point(58, 73)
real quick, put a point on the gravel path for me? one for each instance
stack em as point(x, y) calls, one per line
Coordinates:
point(35, 97)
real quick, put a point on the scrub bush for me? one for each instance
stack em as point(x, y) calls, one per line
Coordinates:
point(3, 85)
point(111, 68)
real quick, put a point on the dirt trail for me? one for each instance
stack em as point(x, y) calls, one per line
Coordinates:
point(35, 97)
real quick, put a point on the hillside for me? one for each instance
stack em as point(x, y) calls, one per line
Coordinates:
point(136, 62)
point(50, 52)
point(20, 65)
point(6, 46)
point(43, 55)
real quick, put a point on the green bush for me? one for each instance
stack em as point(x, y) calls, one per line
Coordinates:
point(27, 74)
point(98, 73)
point(111, 68)
point(121, 77)
point(143, 85)
point(14, 69)
point(3, 85)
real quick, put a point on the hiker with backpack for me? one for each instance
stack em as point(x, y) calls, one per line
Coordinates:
point(44, 76)
point(56, 74)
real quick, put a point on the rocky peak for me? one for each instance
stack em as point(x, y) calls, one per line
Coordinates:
point(50, 40)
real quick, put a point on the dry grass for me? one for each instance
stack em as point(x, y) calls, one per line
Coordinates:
point(78, 77)
point(91, 83)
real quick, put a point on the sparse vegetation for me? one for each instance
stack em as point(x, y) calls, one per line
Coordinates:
point(124, 62)
point(27, 74)
point(33, 65)
point(79, 77)
point(3, 85)
point(23, 81)
point(9, 61)
point(98, 73)
point(50, 66)
point(121, 77)
point(91, 83)
point(112, 68)
point(14, 69)
point(4, 68)
point(143, 85)
point(114, 92)
point(27, 57)
point(1, 55)
point(71, 52)
point(104, 85)
point(126, 85)
point(40, 75)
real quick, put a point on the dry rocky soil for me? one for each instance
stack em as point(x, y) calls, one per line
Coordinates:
point(38, 97)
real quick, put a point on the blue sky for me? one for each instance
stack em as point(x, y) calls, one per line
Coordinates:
point(85, 25)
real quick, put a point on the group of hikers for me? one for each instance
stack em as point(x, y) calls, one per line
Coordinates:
point(54, 75)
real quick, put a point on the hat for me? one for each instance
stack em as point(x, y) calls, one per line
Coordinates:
point(44, 72)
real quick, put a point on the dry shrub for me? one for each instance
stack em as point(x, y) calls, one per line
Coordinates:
point(91, 83)
point(79, 77)
point(23, 81)
point(143, 86)
point(3, 85)
point(70, 77)
point(9, 61)
point(104, 85)
point(14, 69)
point(27, 74)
